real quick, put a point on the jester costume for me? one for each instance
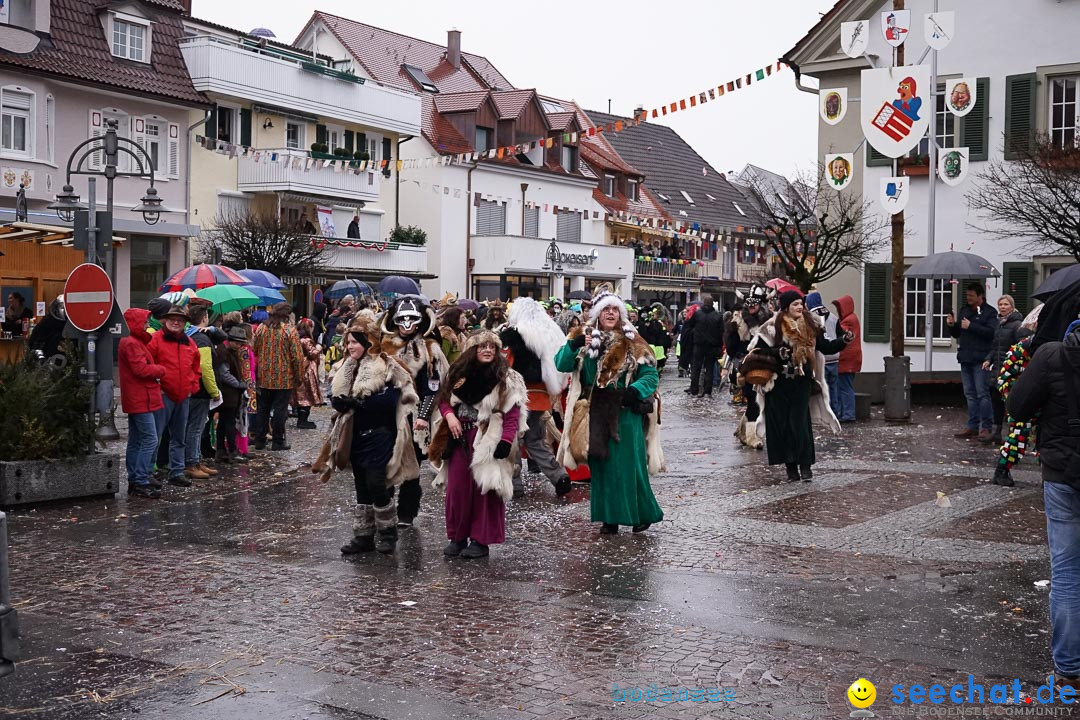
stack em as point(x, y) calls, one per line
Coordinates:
point(1021, 434)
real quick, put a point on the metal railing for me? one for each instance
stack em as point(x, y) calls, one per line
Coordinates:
point(272, 169)
point(669, 270)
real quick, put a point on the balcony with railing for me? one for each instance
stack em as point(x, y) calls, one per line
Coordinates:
point(735, 271)
point(271, 170)
point(675, 271)
point(281, 78)
point(376, 259)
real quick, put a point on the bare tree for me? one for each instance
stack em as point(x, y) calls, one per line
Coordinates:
point(816, 231)
point(1035, 197)
point(264, 242)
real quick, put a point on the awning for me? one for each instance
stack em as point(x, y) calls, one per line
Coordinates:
point(565, 273)
point(667, 288)
point(42, 234)
point(320, 200)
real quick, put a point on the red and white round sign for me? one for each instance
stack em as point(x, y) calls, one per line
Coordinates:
point(88, 297)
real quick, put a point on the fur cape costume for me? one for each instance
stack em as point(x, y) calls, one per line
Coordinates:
point(541, 336)
point(419, 351)
point(616, 352)
point(752, 433)
point(489, 473)
point(362, 378)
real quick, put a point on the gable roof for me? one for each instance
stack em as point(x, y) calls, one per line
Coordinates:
point(511, 102)
point(460, 102)
point(77, 49)
point(383, 54)
point(672, 167)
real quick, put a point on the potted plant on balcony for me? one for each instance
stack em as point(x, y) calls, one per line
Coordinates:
point(360, 156)
point(916, 164)
point(342, 153)
point(408, 235)
point(321, 151)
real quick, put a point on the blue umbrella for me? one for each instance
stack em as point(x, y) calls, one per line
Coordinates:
point(398, 285)
point(267, 296)
point(263, 279)
point(348, 287)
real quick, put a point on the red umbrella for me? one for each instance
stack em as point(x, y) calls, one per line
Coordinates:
point(782, 286)
point(202, 276)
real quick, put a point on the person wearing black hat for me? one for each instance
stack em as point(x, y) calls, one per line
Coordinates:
point(796, 395)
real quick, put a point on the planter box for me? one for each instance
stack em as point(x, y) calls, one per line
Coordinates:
point(34, 481)
point(915, 170)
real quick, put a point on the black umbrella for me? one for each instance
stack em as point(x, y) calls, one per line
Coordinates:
point(1061, 309)
point(952, 266)
point(1058, 280)
point(579, 295)
point(348, 287)
point(398, 285)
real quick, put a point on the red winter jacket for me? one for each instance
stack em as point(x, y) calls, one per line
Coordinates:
point(182, 364)
point(140, 391)
point(851, 356)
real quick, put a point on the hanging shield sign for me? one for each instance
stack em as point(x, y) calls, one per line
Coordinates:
point(832, 105)
point(838, 170)
point(939, 29)
point(960, 96)
point(855, 37)
point(894, 195)
point(893, 119)
point(895, 25)
point(953, 165)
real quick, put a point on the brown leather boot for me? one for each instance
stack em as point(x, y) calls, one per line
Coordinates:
point(210, 472)
point(193, 472)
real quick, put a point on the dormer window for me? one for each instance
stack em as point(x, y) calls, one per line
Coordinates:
point(609, 185)
point(570, 158)
point(130, 37)
point(632, 189)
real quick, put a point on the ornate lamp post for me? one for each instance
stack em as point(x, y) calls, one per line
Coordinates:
point(553, 263)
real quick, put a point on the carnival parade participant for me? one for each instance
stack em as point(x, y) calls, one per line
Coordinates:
point(612, 421)
point(308, 393)
point(409, 337)
point(373, 398)
point(451, 323)
point(793, 343)
point(481, 409)
point(744, 324)
point(531, 340)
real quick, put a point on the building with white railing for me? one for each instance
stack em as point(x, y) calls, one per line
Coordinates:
point(303, 135)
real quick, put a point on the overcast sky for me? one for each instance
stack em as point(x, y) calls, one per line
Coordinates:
point(631, 52)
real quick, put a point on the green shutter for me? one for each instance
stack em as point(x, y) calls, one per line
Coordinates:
point(320, 134)
point(211, 122)
point(245, 127)
point(349, 141)
point(361, 141)
point(386, 148)
point(1019, 114)
point(1019, 281)
point(877, 294)
point(975, 126)
point(876, 159)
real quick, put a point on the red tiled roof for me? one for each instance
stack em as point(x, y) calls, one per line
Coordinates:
point(80, 51)
point(382, 53)
point(439, 131)
point(460, 102)
point(560, 120)
point(511, 102)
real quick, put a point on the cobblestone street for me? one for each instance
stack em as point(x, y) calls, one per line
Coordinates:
point(230, 599)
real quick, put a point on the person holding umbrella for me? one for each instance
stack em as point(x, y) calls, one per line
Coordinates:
point(277, 347)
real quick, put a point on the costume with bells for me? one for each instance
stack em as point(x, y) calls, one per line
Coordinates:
point(410, 338)
point(796, 395)
point(611, 421)
point(373, 398)
point(489, 400)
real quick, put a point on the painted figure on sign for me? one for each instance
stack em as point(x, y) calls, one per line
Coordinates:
point(953, 165)
point(961, 96)
point(909, 102)
point(839, 169)
point(832, 105)
point(893, 31)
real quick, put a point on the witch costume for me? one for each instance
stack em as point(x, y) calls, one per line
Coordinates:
point(489, 400)
point(612, 418)
point(373, 398)
point(797, 395)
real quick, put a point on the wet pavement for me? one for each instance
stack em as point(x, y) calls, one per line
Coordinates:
point(230, 599)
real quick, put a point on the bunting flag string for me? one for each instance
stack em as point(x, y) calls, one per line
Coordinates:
point(300, 160)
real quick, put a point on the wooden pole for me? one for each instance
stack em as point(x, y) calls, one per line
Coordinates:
point(896, 321)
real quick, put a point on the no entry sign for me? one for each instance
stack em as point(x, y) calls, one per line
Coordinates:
point(88, 297)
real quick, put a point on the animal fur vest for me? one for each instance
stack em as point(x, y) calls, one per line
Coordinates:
point(489, 473)
point(362, 379)
point(618, 356)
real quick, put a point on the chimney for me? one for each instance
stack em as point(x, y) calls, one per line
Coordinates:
point(187, 7)
point(453, 48)
point(639, 112)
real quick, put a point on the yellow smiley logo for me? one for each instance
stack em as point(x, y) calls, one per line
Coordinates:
point(862, 693)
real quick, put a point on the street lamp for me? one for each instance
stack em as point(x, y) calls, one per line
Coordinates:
point(524, 188)
point(553, 262)
point(67, 203)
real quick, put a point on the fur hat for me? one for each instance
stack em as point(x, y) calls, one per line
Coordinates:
point(481, 337)
point(366, 326)
point(605, 297)
point(759, 294)
point(409, 304)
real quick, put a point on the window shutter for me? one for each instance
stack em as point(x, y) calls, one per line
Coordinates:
point(211, 123)
point(96, 161)
point(361, 141)
point(386, 149)
point(137, 133)
point(174, 151)
point(1019, 114)
point(532, 222)
point(349, 140)
point(320, 134)
point(1019, 280)
point(974, 127)
point(877, 294)
point(876, 159)
point(245, 127)
point(569, 227)
point(490, 218)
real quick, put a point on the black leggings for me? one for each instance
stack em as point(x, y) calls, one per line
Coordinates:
point(226, 428)
point(370, 484)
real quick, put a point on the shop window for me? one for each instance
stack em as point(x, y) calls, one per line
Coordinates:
point(149, 265)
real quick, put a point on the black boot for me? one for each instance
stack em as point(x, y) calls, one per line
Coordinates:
point(609, 529)
point(454, 548)
point(475, 550)
point(1003, 477)
point(302, 421)
point(359, 545)
point(642, 528)
point(563, 486)
point(806, 473)
point(387, 540)
point(792, 472)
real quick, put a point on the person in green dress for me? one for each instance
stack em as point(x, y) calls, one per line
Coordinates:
point(612, 415)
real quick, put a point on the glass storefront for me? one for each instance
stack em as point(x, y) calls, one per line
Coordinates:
point(149, 265)
point(509, 287)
